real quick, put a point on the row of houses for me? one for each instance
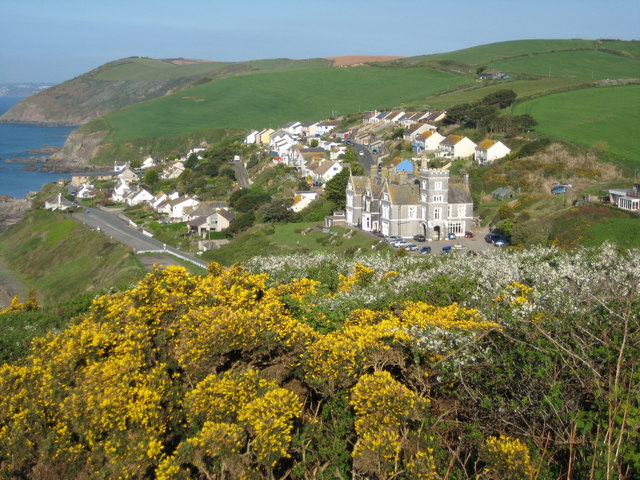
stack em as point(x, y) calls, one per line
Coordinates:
point(457, 146)
point(407, 203)
point(405, 119)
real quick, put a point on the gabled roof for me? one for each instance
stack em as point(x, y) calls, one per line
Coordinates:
point(226, 214)
point(452, 140)
point(485, 144)
point(405, 194)
point(359, 182)
point(427, 134)
point(413, 128)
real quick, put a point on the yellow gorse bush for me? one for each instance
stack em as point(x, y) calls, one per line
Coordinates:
point(164, 378)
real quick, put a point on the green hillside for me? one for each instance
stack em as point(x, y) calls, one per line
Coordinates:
point(608, 116)
point(60, 258)
point(274, 98)
point(629, 48)
point(493, 51)
point(582, 63)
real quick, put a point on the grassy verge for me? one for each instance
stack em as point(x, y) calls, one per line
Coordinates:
point(288, 238)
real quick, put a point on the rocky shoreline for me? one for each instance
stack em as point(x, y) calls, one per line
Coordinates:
point(12, 210)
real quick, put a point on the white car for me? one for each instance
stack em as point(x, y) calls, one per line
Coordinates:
point(361, 152)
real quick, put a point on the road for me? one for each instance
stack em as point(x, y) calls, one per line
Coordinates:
point(365, 157)
point(241, 174)
point(113, 226)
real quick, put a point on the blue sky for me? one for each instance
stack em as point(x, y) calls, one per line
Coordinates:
point(56, 40)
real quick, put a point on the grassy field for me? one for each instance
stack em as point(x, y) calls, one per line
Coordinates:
point(60, 258)
point(486, 53)
point(593, 225)
point(632, 48)
point(274, 98)
point(583, 64)
point(523, 88)
point(608, 116)
point(288, 238)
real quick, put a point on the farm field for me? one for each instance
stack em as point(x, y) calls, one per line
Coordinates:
point(493, 51)
point(632, 48)
point(589, 116)
point(273, 98)
point(523, 88)
point(584, 64)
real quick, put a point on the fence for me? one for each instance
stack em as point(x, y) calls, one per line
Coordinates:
point(176, 254)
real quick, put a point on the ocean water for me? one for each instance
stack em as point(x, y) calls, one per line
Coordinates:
point(15, 141)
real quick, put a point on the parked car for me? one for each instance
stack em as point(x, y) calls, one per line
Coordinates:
point(468, 234)
point(425, 250)
point(401, 244)
point(419, 238)
point(412, 247)
point(446, 250)
point(490, 237)
point(361, 152)
point(392, 239)
point(451, 236)
point(558, 189)
point(501, 242)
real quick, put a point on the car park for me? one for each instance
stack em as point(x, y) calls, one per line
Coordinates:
point(425, 250)
point(419, 238)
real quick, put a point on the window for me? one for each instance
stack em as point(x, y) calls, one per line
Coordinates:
point(438, 198)
point(385, 211)
point(412, 212)
point(437, 185)
point(456, 227)
point(462, 211)
point(349, 199)
point(437, 213)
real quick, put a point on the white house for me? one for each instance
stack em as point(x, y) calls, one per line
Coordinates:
point(172, 171)
point(148, 163)
point(139, 196)
point(128, 175)
point(251, 137)
point(177, 207)
point(121, 190)
point(86, 191)
point(626, 199)
point(58, 204)
point(428, 141)
point(119, 168)
point(325, 127)
point(490, 150)
point(325, 171)
point(301, 200)
point(456, 146)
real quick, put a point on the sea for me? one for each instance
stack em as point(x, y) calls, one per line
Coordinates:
point(15, 142)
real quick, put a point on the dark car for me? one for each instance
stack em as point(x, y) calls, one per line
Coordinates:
point(446, 250)
point(468, 234)
point(425, 250)
point(490, 237)
point(419, 238)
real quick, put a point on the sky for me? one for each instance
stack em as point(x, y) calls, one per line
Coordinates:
point(50, 41)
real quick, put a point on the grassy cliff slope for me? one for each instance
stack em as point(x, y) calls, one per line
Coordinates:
point(60, 258)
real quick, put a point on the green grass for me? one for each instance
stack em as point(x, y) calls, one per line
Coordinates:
point(593, 225)
point(582, 64)
point(483, 54)
point(632, 48)
point(608, 116)
point(287, 238)
point(60, 258)
point(273, 98)
point(523, 88)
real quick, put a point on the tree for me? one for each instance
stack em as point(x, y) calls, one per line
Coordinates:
point(279, 211)
point(191, 161)
point(336, 188)
point(500, 98)
point(151, 177)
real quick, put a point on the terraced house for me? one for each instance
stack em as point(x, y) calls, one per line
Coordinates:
point(408, 203)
